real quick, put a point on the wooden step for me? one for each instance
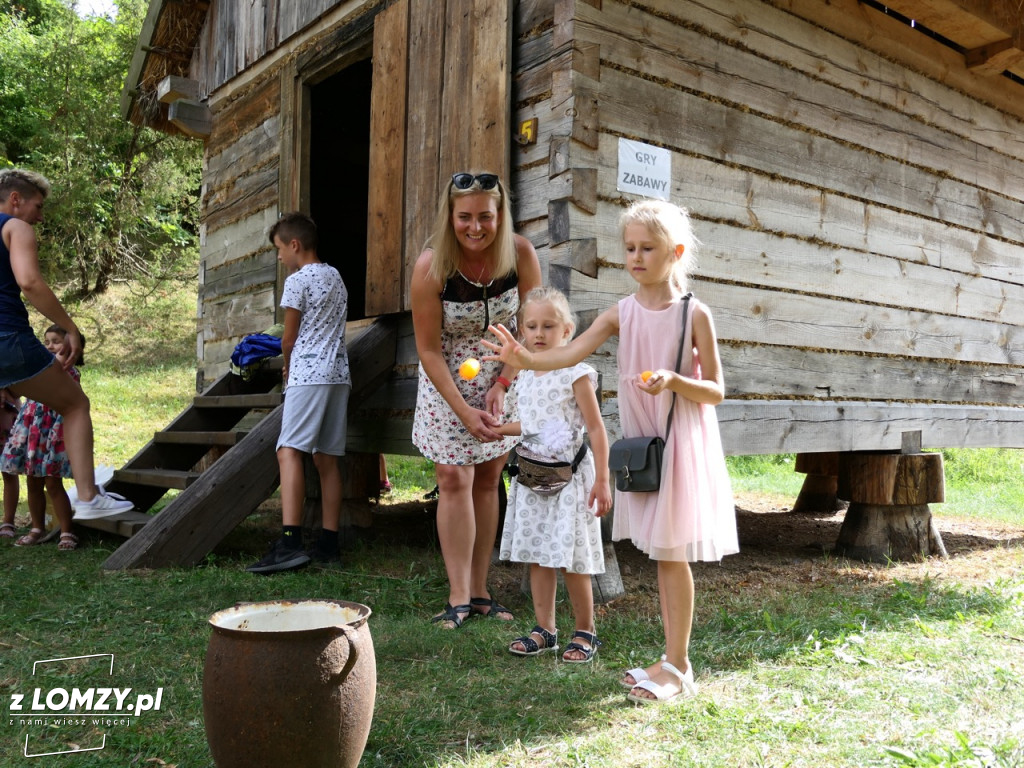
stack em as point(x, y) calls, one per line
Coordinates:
point(125, 524)
point(187, 437)
point(257, 400)
point(158, 478)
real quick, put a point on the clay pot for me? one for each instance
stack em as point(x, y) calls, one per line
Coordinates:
point(289, 683)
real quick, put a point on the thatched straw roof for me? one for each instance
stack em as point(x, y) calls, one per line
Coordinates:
point(166, 46)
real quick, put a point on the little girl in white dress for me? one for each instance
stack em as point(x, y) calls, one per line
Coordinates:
point(559, 531)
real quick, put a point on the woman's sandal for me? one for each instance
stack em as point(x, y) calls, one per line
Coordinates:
point(493, 605)
point(452, 613)
point(68, 542)
point(588, 652)
point(30, 539)
point(7, 531)
point(666, 693)
point(639, 675)
point(531, 647)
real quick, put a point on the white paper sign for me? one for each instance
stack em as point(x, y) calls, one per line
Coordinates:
point(644, 170)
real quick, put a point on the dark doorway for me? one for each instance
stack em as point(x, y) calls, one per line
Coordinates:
point(339, 174)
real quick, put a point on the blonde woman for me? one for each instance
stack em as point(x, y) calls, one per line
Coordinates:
point(473, 272)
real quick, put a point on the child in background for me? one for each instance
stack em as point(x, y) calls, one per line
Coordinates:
point(692, 517)
point(559, 531)
point(35, 448)
point(9, 407)
point(317, 382)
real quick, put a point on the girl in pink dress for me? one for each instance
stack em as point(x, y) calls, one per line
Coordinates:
point(692, 517)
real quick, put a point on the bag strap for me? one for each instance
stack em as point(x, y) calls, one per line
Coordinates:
point(579, 456)
point(679, 359)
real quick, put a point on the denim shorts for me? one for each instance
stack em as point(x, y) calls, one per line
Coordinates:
point(22, 356)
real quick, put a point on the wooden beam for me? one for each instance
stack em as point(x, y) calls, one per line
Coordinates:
point(385, 239)
point(192, 117)
point(172, 88)
point(994, 58)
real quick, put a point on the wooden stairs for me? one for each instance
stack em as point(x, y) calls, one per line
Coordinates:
point(220, 453)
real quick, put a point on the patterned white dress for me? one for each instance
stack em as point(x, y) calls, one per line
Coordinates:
point(557, 531)
point(467, 309)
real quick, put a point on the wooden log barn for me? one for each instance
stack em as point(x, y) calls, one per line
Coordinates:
point(854, 169)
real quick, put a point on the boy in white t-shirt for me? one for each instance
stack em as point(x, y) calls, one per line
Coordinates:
point(317, 382)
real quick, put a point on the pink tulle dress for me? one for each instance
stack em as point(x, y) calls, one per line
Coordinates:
point(693, 517)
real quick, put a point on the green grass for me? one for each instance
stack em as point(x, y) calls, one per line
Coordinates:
point(828, 663)
point(802, 659)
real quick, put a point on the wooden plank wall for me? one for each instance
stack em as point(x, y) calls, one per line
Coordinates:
point(238, 33)
point(862, 224)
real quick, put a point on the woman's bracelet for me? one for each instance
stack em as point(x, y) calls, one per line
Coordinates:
point(504, 382)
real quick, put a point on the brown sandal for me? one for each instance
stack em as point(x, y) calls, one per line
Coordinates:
point(7, 531)
point(68, 542)
point(30, 539)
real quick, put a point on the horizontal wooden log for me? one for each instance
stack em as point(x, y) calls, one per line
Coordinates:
point(760, 427)
point(749, 314)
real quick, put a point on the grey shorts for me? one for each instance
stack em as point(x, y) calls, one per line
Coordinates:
point(22, 357)
point(315, 418)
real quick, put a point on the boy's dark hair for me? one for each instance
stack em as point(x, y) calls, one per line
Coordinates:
point(296, 226)
point(26, 183)
point(57, 329)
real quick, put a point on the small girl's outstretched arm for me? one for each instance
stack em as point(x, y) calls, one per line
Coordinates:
point(710, 388)
point(586, 399)
point(509, 350)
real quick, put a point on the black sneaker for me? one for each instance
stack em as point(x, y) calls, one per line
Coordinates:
point(280, 558)
point(322, 559)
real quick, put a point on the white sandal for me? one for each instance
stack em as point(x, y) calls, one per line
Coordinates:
point(666, 693)
point(639, 674)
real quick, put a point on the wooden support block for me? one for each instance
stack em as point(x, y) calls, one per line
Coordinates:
point(172, 88)
point(192, 117)
point(818, 493)
point(891, 478)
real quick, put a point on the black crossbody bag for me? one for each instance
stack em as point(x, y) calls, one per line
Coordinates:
point(636, 461)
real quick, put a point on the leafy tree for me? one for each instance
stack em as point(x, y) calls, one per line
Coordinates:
point(124, 201)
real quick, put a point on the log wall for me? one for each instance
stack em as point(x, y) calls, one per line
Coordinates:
point(863, 247)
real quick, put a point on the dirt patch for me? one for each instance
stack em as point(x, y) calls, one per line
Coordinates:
point(777, 548)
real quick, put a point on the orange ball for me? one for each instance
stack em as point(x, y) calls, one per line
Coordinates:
point(646, 375)
point(470, 368)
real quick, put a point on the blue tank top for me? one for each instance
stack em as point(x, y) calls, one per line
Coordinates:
point(13, 315)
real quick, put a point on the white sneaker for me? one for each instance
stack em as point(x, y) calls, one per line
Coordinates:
point(103, 505)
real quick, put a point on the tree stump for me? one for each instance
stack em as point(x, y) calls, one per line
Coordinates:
point(818, 493)
point(888, 518)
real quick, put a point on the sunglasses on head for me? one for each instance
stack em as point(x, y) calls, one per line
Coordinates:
point(466, 180)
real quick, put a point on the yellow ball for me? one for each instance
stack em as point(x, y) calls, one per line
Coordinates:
point(470, 368)
point(646, 375)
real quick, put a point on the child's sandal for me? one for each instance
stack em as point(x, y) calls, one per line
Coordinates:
point(531, 647)
point(7, 531)
point(68, 542)
point(588, 652)
point(30, 539)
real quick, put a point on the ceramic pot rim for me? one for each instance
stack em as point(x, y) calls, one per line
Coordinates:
point(295, 616)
